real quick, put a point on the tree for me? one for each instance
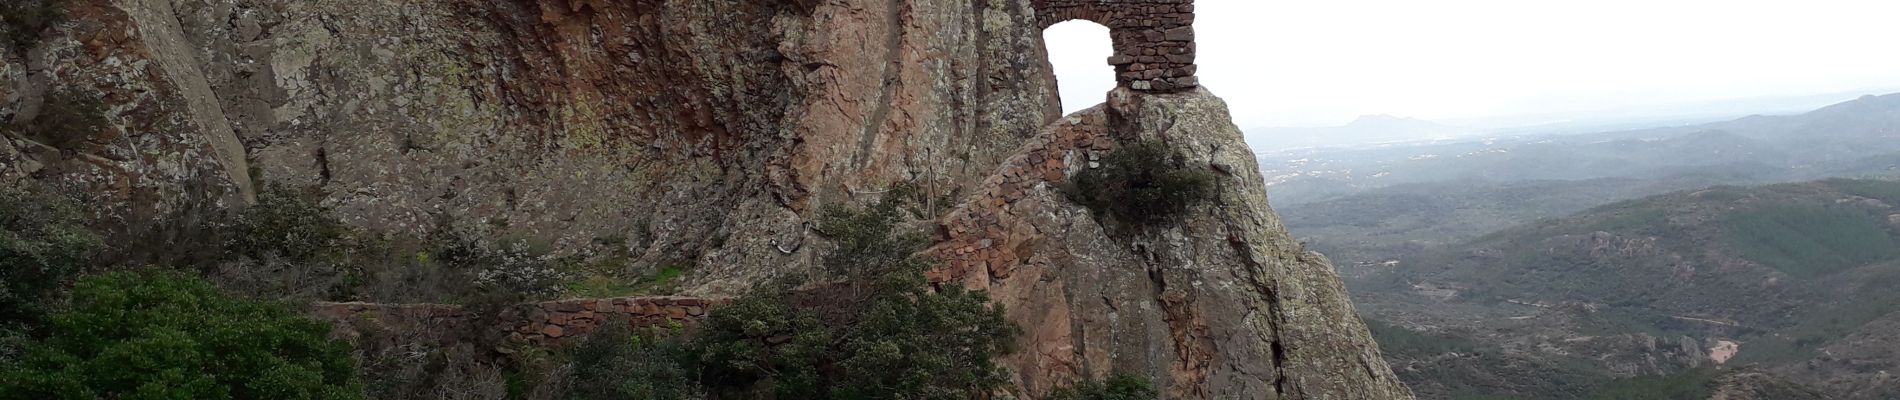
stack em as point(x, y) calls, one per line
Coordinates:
point(167, 335)
point(616, 364)
point(892, 336)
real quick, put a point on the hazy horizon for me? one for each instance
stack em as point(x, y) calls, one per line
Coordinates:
point(1328, 63)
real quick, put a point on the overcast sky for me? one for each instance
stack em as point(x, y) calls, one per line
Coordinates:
point(1324, 62)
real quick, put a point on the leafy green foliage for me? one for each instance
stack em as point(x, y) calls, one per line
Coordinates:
point(170, 335)
point(288, 224)
point(871, 244)
point(42, 245)
point(1116, 387)
point(761, 344)
point(65, 121)
point(615, 364)
point(922, 345)
point(1141, 184)
point(893, 337)
point(1811, 240)
point(23, 21)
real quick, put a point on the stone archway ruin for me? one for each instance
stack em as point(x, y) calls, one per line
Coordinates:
point(1154, 39)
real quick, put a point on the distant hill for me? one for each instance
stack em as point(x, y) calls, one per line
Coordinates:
point(1365, 130)
point(1833, 141)
point(1801, 276)
point(1556, 267)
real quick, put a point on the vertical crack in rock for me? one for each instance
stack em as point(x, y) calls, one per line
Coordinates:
point(1254, 274)
point(894, 19)
point(1188, 333)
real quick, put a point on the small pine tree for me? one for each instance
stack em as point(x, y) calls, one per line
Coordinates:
point(893, 338)
point(1141, 184)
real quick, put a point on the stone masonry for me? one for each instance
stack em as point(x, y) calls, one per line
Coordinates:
point(540, 323)
point(1154, 39)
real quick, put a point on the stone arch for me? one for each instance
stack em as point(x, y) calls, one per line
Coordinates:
point(1154, 39)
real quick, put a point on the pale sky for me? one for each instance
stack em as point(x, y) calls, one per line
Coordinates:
point(1324, 62)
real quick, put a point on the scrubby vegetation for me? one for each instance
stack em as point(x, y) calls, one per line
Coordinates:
point(169, 335)
point(289, 243)
point(616, 364)
point(1141, 184)
point(1116, 387)
point(43, 244)
point(1398, 341)
point(1693, 384)
point(23, 21)
point(871, 328)
point(1811, 240)
point(882, 334)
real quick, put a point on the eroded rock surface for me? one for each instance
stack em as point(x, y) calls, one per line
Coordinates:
point(1221, 305)
point(707, 132)
point(688, 132)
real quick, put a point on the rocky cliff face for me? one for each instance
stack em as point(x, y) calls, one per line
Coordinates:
point(702, 132)
point(1222, 305)
point(689, 131)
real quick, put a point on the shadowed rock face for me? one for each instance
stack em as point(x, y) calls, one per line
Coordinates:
point(706, 132)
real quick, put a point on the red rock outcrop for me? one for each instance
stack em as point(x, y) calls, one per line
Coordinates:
point(1223, 304)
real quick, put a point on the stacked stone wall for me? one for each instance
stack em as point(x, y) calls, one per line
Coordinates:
point(1154, 39)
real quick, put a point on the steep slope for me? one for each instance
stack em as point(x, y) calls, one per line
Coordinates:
point(703, 133)
point(689, 132)
point(1793, 278)
point(1224, 304)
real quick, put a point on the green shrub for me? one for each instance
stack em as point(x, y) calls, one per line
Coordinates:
point(22, 21)
point(65, 121)
point(615, 364)
point(169, 335)
point(761, 344)
point(891, 338)
point(288, 224)
point(871, 246)
point(42, 245)
point(1117, 387)
point(1141, 184)
point(923, 345)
